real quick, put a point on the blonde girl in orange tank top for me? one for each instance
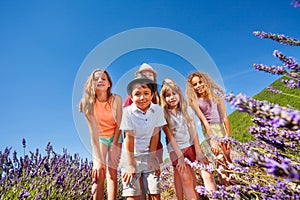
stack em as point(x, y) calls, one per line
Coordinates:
point(103, 112)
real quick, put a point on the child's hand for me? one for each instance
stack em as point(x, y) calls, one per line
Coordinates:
point(154, 165)
point(98, 168)
point(215, 146)
point(202, 158)
point(99, 165)
point(181, 166)
point(129, 175)
point(226, 150)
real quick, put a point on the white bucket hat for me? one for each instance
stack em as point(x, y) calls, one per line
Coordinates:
point(146, 67)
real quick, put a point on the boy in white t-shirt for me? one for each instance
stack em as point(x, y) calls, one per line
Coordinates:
point(141, 122)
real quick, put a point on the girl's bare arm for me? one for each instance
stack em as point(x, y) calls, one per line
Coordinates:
point(225, 118)
point(118, 106)
point(97, 159)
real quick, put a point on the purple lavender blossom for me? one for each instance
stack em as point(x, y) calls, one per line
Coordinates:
point(23, 195)
point(278, 70)
point(288, 61)
point(275, 114)
point(24, 143)
point(295, 3)
point(278, 37)
point(271, 89)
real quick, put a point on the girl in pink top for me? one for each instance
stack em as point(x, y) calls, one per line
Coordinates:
point(103, 112)
point(210, 109)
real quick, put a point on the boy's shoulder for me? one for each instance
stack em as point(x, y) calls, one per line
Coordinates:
point(156, 108)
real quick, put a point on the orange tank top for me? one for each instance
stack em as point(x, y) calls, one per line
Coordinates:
point(105, 119)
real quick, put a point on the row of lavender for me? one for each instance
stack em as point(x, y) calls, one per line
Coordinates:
point(51, 176)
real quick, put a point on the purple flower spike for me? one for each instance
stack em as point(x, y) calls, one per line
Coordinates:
point(279, 38)
point(24, 143)
point(295, 3)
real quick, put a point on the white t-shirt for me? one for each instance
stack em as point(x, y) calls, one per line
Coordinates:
point(142, 124)
point(180, 130)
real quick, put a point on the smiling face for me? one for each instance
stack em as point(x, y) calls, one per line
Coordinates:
point(141, 96)
point(199, 86)
point(172, 98)
point(101, 81)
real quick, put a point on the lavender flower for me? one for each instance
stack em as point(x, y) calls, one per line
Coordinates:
point(289, 62)
point(276, 115)
point(295, 3)
point(24, 143)
point(278, 37)
point(278, 70)
point(271, 89)
point(23, 195)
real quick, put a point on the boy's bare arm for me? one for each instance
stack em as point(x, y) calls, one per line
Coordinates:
point(129, 144)
point(131, 170)
point(153, 162)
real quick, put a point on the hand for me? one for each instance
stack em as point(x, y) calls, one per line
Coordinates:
point(181, 166)
point(154, 165)
point(226, 147)
point(215, 146)
point(226, 150)
point(129, 175)
point(202, 158)
point(98, 169)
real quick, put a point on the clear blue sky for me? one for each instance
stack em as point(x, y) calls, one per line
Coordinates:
point(44, 43)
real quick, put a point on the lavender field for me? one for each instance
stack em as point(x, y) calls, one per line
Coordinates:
point(267, 167)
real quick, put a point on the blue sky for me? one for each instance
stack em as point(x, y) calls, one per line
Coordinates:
point(44, 44)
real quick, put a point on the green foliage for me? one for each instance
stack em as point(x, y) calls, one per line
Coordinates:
point(289, 97)
point(240, 122)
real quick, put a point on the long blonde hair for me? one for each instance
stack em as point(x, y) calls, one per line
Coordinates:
point(210, 93)
point(88, 100)
point(182, 104)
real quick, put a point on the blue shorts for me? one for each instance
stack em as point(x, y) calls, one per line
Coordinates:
point(109, 141)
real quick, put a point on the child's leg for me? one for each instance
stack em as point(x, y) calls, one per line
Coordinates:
point(154, 196)
point(225, 151)
point(133, 198)
point(151, 185)
point(112, 172)
point(209, 181)
point(98, 186)
point(187, 182)
point(100, 175)
point(143, 195)
point(223, 180)
point(178, 185)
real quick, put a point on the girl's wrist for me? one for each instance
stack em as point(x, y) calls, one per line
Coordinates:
point(200, 155)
